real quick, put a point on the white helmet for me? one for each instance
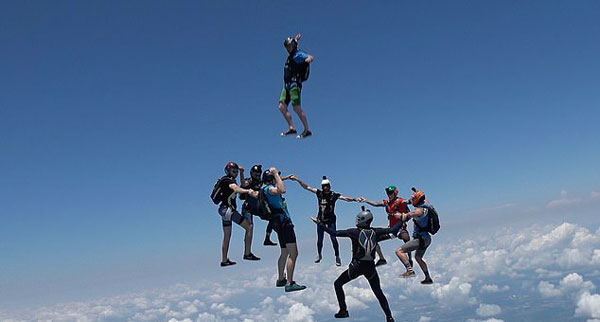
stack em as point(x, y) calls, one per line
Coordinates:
point(325, 181)
point(364, 218)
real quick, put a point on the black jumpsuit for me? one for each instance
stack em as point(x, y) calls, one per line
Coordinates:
point(364, 242)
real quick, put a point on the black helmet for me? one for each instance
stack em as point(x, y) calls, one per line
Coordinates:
point(364, 218)
point(256, 171)
point(290, 41)
point(267, 176)
point(231, 166)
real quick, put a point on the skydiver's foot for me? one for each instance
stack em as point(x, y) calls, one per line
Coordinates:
point(268, 242)
point(281, 283)
point(427, 280)
point(294, 287)
point(408, 273)
point(389, 319)
point(338, 261)
point(341, 314)
point(380, 262)
point(318, 259)
point(304, 134)
point(289, 132)
point(227, 263)
point(251, 257)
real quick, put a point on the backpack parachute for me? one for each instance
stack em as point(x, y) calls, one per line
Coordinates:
point(433, 223)
point(217, 194)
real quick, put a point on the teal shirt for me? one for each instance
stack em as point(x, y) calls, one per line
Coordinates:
point(276, 201)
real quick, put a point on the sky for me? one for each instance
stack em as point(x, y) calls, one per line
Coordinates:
point(116, 118)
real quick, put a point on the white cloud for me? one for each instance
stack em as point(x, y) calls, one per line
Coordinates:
point(588, 305)
point(547, 289)
point(550, 261)
point(563, 201)
point(493, 288)
point(572, 283)
point(486, 310)
point(595, 195)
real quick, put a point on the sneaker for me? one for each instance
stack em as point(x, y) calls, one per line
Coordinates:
point(381, 262)
point(251, 257)
point(281, 283)
point(304, 134)
point(341, 314)
point(338, 261)
point(427, 280)
point(268, 242)
point(318, 259)
point(408, 273)
point(227, 263)
point(294, 287)
point(289, 132)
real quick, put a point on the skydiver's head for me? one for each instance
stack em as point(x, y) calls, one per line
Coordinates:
point(232, 170)
point(364, 218)
point(325, 185)
point(256, 172)
point(392, 192)
point(417, 197)
point(268, 177)
point(290, 44)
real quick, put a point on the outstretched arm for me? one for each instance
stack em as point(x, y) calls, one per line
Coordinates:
point(392, 230)
point(329, 230)
point(372, 203)
point(239, 190)
point(303, 185)
point(417, 213)
point(348, 199)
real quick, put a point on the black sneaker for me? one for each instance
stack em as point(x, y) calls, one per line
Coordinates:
point(268, 242)
point(381, 262)
point(427, 280)
point(281, 283)
point(289, 132)
point(293, 287)
point(304, 134)
point(341, 314)
point(227, 263)
point(251, 257)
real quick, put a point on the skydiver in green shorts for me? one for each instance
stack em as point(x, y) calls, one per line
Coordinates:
point(295, 71)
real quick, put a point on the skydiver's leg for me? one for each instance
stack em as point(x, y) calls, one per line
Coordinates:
point(225, 244)
point(284, 99)
point(406, 238)
point(375, 284)
point(320, 236)
point(339, 289)
point(295, 98)
point(334, 241)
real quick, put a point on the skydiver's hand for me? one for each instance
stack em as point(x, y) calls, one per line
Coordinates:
point(241, 169)
point(297, 37)
point(273, 170)
point(253, 194)
point(404, 217)
point(315, 220)
point(360, 199)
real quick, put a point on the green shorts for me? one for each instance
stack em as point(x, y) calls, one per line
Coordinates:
point(292, 94)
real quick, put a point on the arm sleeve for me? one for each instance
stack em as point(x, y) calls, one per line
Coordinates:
point(300, 57)
point(393, 230)
point(337, 233)
point(336, 196)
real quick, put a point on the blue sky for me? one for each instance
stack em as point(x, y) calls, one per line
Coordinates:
point(117, 118)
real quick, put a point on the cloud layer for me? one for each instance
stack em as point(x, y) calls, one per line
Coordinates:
point(481, 278)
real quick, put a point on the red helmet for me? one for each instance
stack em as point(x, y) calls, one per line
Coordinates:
point(231, 166)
